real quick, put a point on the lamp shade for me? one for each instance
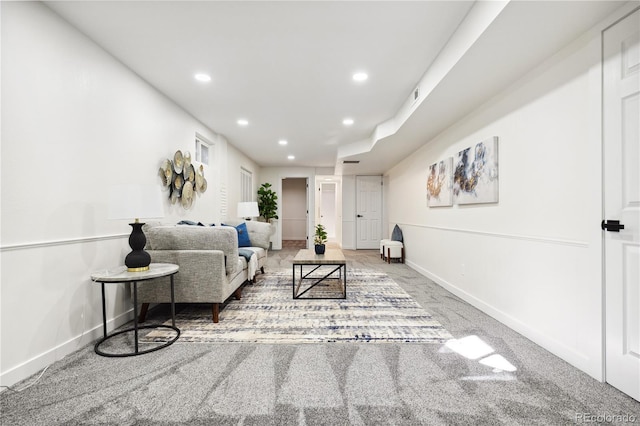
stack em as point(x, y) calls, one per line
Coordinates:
point(132, 201)
point(135, 201)
point(248, 209)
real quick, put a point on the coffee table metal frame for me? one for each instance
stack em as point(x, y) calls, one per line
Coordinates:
point(121, 275)
point(306, 257)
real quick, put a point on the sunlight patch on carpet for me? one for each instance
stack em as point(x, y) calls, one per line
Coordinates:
point(376, 309)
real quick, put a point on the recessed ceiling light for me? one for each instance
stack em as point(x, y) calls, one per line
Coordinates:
point(347, 121)
point(282, 142)
point(243, 122)
point(205, 78)
point(291, 157)
point(360, 76)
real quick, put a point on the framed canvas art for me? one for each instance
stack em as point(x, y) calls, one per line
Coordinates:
point(475, 176)
point(439, 191)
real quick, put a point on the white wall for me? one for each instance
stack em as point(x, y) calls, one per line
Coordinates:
point(234, 161)
point(76, 121)
point(533, 260)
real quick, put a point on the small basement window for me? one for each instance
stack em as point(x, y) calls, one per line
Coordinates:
point(204, 150)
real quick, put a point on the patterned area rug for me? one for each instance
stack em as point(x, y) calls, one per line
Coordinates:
point(376, 309)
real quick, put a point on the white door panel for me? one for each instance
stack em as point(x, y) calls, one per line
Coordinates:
point(621, 125)
point(368, 211)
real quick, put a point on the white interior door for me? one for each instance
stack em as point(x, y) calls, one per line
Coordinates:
point(368, 212)
point(621, 91)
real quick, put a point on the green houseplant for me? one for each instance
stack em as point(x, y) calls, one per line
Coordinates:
point(320, 238)
point(267, 202)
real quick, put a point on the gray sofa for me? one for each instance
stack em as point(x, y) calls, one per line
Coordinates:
point(211, 269)
point(259, 234)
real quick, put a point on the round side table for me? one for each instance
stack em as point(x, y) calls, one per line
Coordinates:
point(121, 275)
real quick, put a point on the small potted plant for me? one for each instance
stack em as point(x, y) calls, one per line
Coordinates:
point(320, 239)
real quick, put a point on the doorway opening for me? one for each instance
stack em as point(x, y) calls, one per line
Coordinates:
point(295, 213)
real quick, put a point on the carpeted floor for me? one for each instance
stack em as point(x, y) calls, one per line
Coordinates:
point(327, 383)
point(376, 310)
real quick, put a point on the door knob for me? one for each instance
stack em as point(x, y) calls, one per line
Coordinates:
point(611, 225)
point(359, 215)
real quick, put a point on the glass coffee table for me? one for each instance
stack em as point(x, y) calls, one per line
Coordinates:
point(321, 276)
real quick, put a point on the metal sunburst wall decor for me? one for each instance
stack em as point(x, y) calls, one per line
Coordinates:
point(182, 179)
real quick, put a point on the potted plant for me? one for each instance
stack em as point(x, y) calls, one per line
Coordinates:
point(320, 239)
point(267, 202)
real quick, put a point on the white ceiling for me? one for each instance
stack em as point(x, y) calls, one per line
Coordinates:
point(286, 66)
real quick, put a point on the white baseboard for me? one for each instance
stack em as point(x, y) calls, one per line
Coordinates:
point(554, 346)
point(39, 362)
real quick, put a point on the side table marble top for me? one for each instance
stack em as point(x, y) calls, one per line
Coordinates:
point(120, 274)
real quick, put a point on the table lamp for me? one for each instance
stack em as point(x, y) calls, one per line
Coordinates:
point(248, 210)
point(133, 201)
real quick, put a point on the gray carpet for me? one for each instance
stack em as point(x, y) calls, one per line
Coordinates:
point(325, 383)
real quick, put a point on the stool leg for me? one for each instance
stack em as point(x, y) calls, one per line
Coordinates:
point(388, 255)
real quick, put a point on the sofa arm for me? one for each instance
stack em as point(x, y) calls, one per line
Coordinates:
point(201, 278)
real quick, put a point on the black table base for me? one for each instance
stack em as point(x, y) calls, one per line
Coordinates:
point(136, 327)
point(137, 352)
point(298, 290)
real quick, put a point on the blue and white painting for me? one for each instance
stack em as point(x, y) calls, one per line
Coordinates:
point(475, 177)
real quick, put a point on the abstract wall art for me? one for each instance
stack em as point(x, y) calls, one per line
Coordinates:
point(439, 190)
point(475, 175)
point(182, 179)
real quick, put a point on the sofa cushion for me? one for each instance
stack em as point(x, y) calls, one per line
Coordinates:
point(246, 253)
point(258, 251)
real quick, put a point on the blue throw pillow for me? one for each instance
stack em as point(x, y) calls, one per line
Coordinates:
point(243, 235)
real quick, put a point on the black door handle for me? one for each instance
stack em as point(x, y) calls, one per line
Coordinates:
point(359, 215)
point(611, 225)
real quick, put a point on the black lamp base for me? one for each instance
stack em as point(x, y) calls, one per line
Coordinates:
point(137, 260)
